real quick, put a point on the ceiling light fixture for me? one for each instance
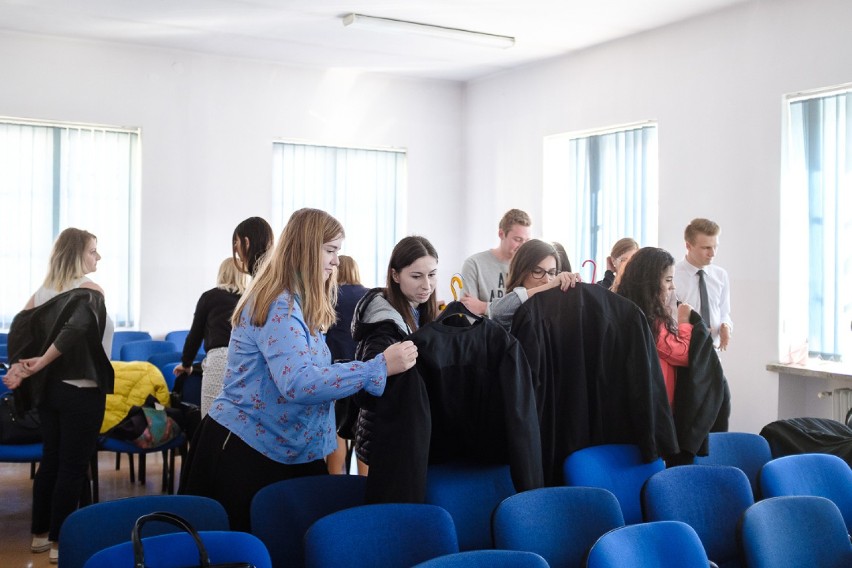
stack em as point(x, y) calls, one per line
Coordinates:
point(403, 26)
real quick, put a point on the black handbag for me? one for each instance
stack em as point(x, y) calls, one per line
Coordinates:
point(203, 558)
point(18, 428)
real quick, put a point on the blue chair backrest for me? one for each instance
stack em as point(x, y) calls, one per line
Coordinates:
point(618, 468)
point(4, 353)
point(122, 337)
point(470, 492)
point(160, 359)
point(487, 559)
point(558, 523)
point(179, 550)
point(179, 338)
point(801, 531)
point(390, 535)
point(101, 525)
point(710, 499)
point(141, 350)
point(746, 451)
point(282, 512)
point(663, 544)
point(822, 475)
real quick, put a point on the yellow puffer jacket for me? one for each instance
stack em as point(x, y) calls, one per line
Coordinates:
point(134, 381)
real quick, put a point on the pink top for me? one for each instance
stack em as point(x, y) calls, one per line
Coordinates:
point(674, 352)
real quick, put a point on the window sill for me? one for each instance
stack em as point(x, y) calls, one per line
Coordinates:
point(814, 368)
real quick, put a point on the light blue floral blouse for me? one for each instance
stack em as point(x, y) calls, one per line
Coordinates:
point(280, 385)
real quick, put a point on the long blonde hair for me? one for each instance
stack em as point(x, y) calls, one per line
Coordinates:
point(230, 277)
point(347, 271)
point(66, 258)
point(295, 265)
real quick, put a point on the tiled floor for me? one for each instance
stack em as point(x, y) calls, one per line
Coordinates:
point(16, 498)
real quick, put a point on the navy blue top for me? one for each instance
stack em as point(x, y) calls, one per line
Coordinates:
point(339, 336)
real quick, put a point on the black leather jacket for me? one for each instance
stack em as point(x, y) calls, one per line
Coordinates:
point(74, 322)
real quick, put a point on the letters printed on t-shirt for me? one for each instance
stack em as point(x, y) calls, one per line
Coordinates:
point(499, 292)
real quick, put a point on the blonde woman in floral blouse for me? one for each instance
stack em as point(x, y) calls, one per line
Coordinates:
point(274, 418)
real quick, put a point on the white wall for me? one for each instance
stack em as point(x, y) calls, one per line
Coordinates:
point(715, 86)
point(207, 129)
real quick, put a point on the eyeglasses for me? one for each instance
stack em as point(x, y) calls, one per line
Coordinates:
point(539, 273)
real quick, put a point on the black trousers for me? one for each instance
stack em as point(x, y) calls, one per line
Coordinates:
point(71, 419)
point(221, 466)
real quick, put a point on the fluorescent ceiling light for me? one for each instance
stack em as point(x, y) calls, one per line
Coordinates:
point(405, 27)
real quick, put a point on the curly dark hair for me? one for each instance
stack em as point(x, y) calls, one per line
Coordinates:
point(640, 283)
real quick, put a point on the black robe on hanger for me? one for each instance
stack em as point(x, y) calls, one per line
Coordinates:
point(469, 397)
point(596, 374)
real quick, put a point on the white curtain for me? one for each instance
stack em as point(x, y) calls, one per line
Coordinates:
point(819, 184)
point(53, 177)
point(598, 189)
point(363, 188)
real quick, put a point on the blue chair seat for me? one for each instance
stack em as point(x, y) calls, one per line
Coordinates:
point(107, 444)
point(20, 453)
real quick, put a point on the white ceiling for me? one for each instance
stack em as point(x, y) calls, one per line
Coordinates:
point(311, 32)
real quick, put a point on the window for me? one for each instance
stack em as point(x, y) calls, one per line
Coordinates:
point(363, 188)
point(54, 176)
point(600, 187)
point(816, 222)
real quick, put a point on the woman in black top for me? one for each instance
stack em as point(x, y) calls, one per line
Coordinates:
point(212, 324)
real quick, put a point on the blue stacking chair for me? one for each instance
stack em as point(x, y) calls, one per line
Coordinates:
point(748, 452)
point(143, 349)
point(179, 338)
point(180, 550)
point(487, 559)
point(102, 525)
point(663, 544)
point(558, 523)
point(390, 535)
point(618, 468)
point(20, 453)
point(470, 492)
point(795, 532)
point(821, 475)
point(710, 499)
point(119, 338)
point(282, 512)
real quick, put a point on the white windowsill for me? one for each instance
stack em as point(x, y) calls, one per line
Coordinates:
point(814, 368)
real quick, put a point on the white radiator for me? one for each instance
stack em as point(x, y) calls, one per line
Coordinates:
point(841, 400)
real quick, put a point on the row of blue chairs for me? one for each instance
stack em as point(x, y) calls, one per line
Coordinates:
point(140, 346)
point(536, 528)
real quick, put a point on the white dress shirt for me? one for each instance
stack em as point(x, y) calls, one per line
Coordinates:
point(718, 293)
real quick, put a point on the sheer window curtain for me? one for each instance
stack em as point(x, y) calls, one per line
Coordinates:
point(363, 188)
point(818, 187)
point(53, 177)
point(598, 189)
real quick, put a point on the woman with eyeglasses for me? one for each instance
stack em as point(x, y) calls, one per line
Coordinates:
point(534, 268)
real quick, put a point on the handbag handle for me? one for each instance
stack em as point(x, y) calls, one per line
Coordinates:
point(171, 518)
